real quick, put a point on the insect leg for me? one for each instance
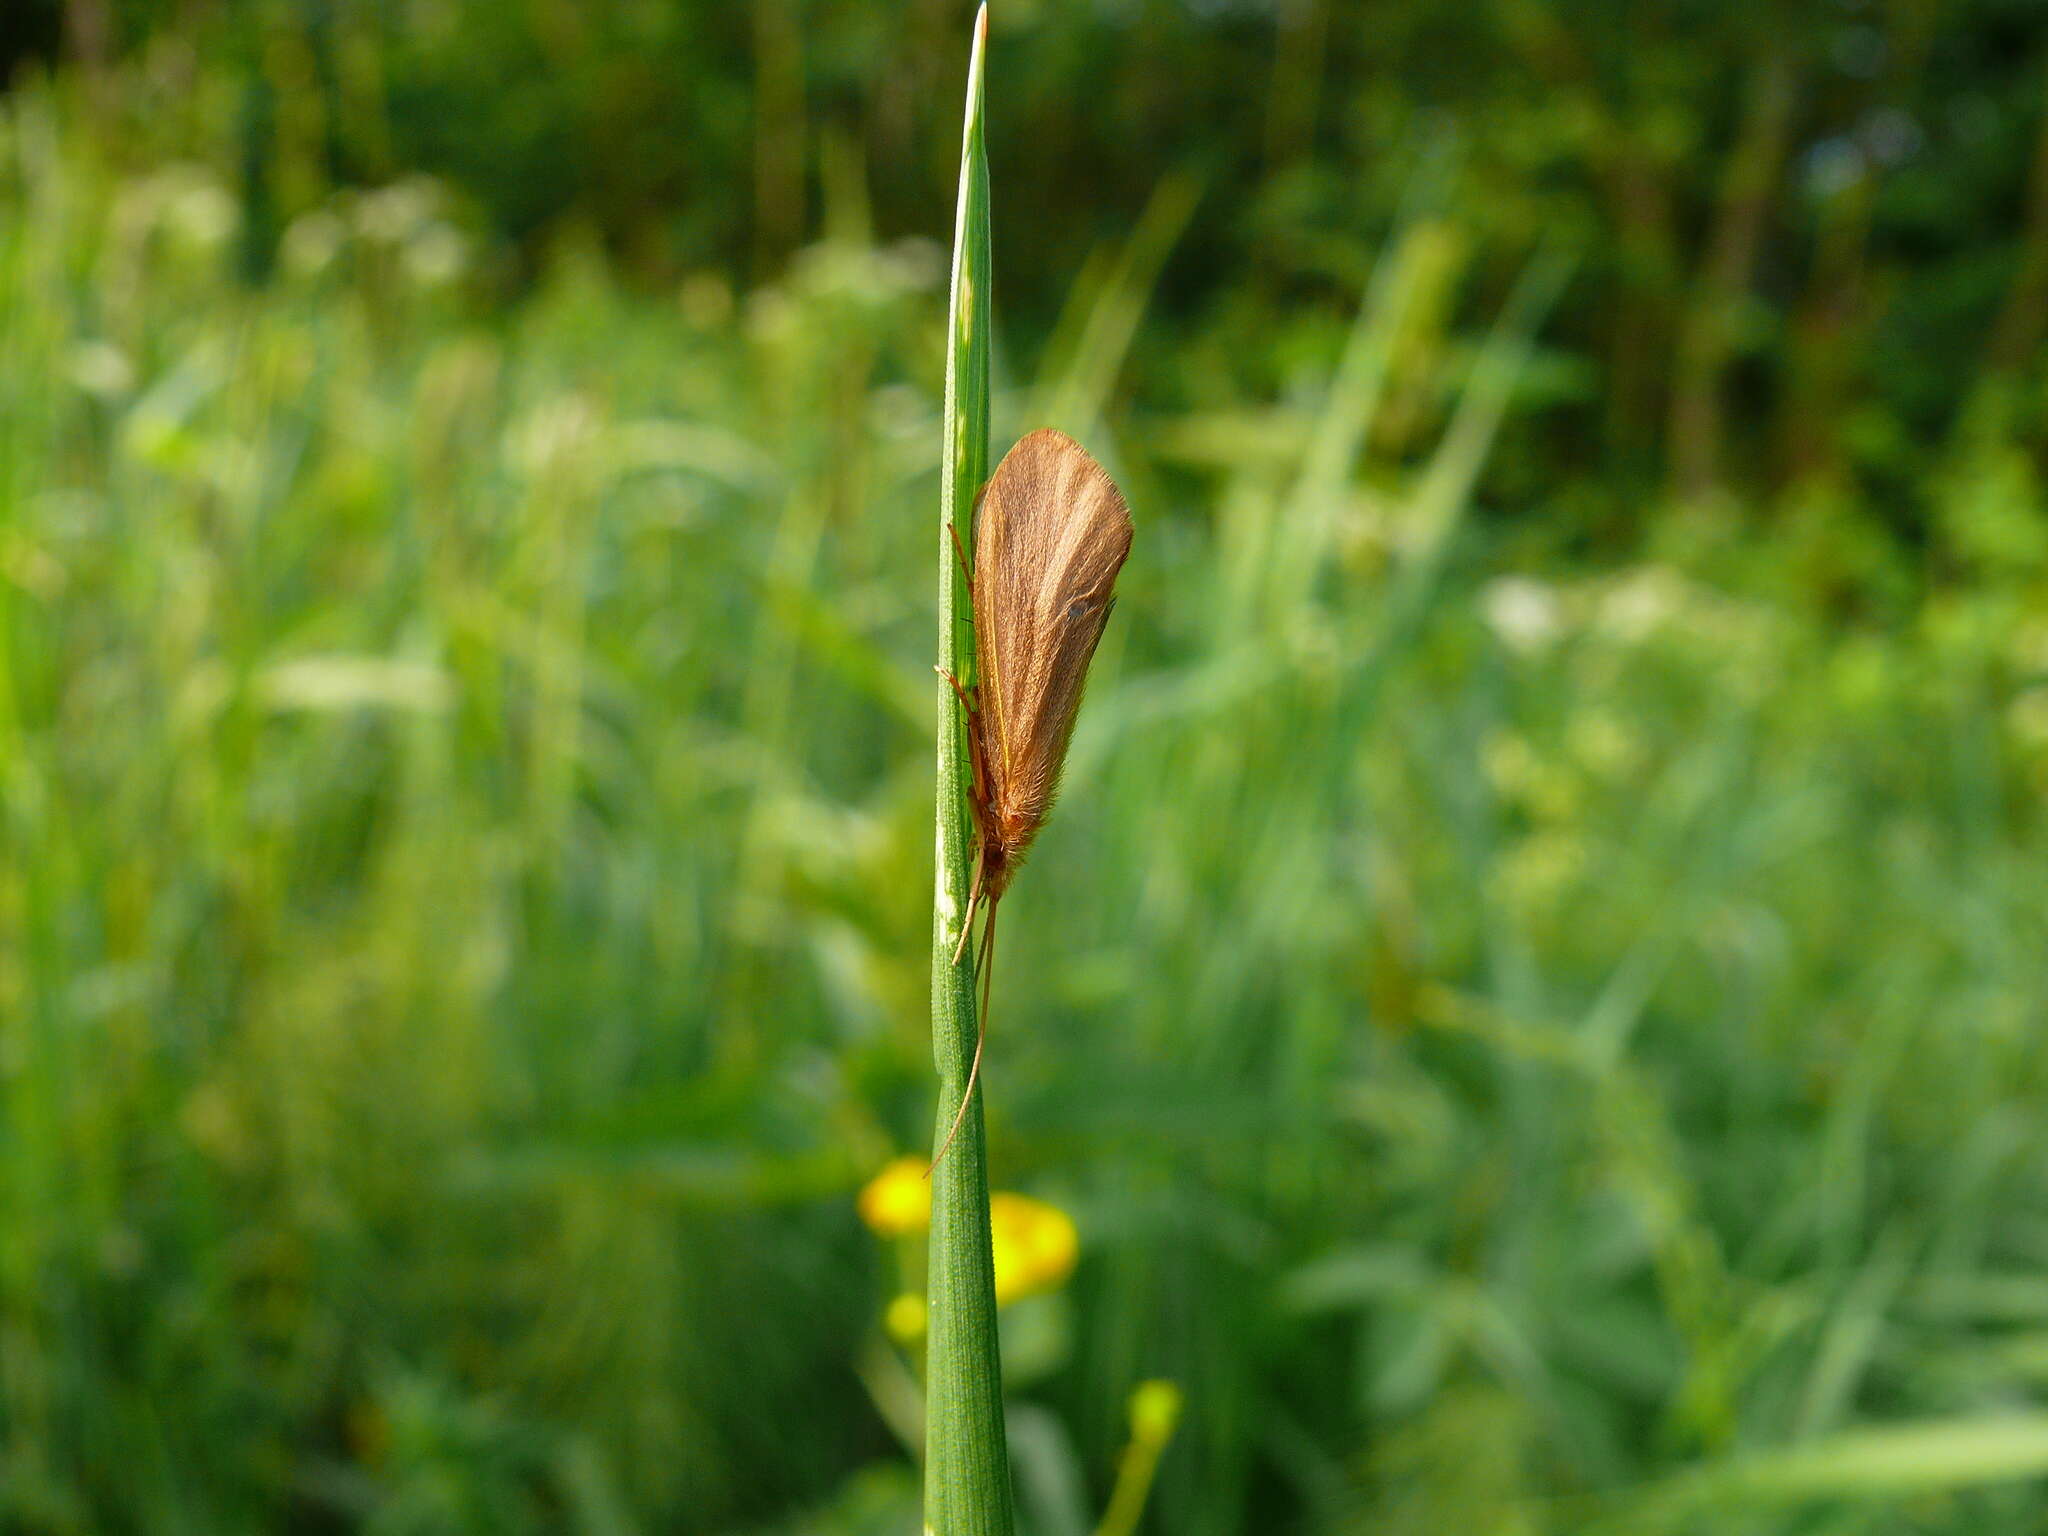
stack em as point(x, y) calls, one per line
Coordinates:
point(961, 550)
point(960, 692)
point(977, 763)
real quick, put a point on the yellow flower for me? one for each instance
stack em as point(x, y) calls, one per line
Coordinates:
point(898, 1199)
point(1035, 1245)
point(905, 1318)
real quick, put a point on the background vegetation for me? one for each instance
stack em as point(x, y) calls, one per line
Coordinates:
point(1532, 1001)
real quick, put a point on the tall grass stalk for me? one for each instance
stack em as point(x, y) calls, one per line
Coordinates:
point(967, 1471)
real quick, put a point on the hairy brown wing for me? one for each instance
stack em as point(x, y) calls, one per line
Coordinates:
point(1051, 535)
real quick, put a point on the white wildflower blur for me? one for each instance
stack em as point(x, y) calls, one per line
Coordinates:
point(198, 211)
point(311, 242)
point(1636, 605)
point(102, 370)
point(1526, 614)
point(552, 437)
point(322, 684)
point(436, 254)
point(398, 212)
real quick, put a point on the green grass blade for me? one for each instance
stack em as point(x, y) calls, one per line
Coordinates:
point(1884, 1463)
point(967, 1473)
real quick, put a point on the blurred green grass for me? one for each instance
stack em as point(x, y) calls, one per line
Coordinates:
point(1528, 1047)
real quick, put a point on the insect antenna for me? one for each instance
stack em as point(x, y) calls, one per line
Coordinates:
point(975, 886)
point(984, 970)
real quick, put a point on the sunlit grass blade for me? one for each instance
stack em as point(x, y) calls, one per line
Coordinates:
point(1881, 1465)
point(1095, 331)
point(967, 1474)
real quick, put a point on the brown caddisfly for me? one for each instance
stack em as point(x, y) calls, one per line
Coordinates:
point(1050, 535)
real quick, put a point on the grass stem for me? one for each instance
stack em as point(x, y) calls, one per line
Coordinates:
point(967, 1471)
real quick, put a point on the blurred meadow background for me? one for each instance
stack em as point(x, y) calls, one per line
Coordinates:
point(1529, 1016)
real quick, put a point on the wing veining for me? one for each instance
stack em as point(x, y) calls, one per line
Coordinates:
point(1051, 536)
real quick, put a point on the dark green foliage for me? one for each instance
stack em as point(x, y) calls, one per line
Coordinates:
point(1805, 230)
